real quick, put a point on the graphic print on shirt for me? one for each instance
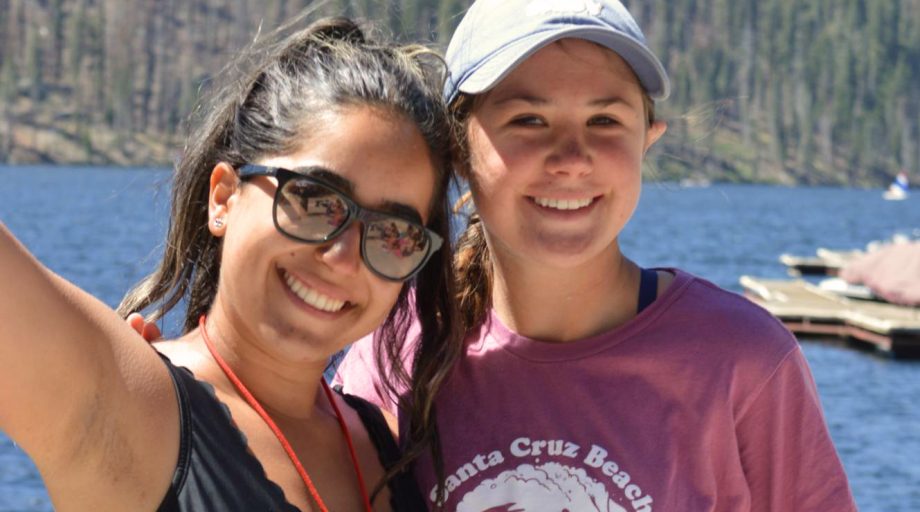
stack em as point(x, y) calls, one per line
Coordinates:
point(543, 475)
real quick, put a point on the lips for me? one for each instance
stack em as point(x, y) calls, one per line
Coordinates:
point(563, 204)
point(311, 296)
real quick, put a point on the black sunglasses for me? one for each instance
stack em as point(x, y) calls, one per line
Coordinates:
point(308, 209)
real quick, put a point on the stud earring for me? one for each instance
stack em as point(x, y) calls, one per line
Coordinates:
point(219, 222)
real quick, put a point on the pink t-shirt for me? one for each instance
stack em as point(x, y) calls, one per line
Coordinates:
point(703, 402)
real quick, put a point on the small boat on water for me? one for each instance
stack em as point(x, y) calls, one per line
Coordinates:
point(897, 191)
point(695, 182)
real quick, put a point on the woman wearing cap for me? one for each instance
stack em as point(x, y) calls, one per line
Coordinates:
point(293, 172)
point(589, 383)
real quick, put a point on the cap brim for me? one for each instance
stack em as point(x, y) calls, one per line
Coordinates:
point(645, 65)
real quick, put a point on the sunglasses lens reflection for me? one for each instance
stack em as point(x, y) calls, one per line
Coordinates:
point(312, 212)
point(395, 247)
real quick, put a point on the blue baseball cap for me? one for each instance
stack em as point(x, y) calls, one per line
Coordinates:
point(495, 36)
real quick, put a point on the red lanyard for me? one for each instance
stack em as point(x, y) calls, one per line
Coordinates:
point(251, 400)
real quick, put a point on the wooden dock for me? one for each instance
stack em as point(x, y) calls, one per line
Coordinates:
point(806, 309)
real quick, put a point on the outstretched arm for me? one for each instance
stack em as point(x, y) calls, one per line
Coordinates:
point(80, 392)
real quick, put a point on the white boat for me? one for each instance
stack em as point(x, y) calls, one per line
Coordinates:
point(695, 182)
point(897, 191)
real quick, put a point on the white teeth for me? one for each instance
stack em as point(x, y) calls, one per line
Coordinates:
point(562, 204)
point(313, 297)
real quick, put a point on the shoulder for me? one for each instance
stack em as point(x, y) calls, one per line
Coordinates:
point(723, 316)
point(182, 352)
point(193, 357)
point(722, 331)
point(381, 426)
point(359, 374)
point(742, 352)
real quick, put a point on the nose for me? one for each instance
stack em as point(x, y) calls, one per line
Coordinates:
point(343, 253)
point(569, 155)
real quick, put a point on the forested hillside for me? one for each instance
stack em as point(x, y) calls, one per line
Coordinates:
point(793, 91)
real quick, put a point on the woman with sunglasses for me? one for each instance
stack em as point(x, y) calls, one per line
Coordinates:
point(589, 383)
point(291, 175)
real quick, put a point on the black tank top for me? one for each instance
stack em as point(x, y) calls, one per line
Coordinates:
point(217, 472)
point(648, 288)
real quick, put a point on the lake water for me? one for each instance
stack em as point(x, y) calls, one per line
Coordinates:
point(100, 228)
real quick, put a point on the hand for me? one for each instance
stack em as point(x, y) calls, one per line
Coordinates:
point(149, 331)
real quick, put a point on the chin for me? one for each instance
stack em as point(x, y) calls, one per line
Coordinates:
point(564, 246)
point(301, 340)
point(568, 251)
point(559, 258)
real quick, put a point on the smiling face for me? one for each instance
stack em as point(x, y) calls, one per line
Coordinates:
point(315, 298)
point(555, 152)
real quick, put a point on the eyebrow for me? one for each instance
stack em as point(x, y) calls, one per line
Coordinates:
point(336, 180)
point(523, 97)
point(606, 102)
point(345, 185)
point(538, 101)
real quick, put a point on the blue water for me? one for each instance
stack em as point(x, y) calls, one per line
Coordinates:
point(101, 228)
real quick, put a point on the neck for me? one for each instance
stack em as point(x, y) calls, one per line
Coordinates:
point(285, 388)
point(561, 305)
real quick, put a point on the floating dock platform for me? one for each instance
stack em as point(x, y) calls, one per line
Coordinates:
point(806, 309)
point(826, 262)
